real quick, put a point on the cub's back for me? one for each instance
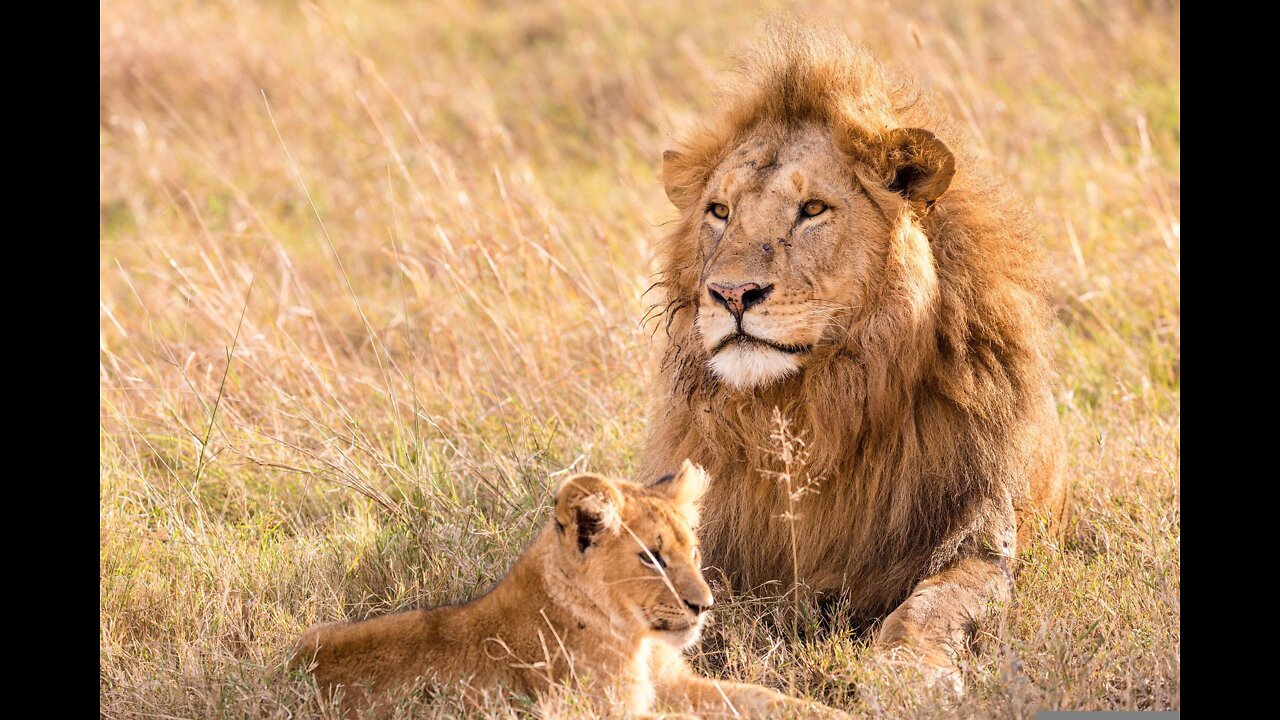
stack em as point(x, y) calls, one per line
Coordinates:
point(386, 651)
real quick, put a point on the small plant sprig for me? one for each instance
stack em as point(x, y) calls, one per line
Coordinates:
point(792, 454)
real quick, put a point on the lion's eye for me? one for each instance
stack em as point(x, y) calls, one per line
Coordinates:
point(720, 210)
point(653, 559)
point(813, 208)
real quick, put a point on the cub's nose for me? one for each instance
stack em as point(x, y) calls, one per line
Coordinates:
point(738, 299)
point(699, 609)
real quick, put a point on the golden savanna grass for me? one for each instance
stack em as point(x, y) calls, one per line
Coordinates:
point(371, 279)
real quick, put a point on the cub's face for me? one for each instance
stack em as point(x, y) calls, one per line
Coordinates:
point(635, 551)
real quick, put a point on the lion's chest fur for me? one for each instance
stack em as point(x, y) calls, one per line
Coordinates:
point(894, 496)
point(831, 540)
point(899, 492)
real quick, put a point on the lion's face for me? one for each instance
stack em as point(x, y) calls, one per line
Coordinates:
point(791, 243)
point(636, 549)
point(785, 237)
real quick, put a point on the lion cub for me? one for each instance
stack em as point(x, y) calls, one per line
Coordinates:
point(607, 595)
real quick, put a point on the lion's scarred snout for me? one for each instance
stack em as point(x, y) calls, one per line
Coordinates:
point(738, 299)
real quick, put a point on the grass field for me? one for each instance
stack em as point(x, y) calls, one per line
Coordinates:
point(371, 276)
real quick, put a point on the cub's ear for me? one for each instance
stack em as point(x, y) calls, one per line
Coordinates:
point(587, 507)
point(681, 181)
point(920, 164)
point(686, 489)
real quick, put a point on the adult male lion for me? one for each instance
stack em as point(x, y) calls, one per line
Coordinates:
point(839, 258)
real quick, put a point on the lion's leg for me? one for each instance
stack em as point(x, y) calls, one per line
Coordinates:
point(938, 621)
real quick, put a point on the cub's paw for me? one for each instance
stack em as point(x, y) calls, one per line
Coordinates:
point(783, 706)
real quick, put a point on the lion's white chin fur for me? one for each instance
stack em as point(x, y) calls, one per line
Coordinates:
point(745, 368)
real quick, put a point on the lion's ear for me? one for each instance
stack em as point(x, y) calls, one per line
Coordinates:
point(920, 164)
point(587, 506)
point(679, 179)
point(686, 489)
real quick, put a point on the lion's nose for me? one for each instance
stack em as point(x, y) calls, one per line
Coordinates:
point(738, 299)
point(699, 609)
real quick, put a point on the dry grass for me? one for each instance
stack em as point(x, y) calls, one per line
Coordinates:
point(343, 390)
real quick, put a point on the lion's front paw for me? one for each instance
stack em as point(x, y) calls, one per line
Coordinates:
point(936, 670)
point(944, 677)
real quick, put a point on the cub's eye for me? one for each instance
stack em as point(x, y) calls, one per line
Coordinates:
point(720, 210)
point(813, 208)
point(653, 559)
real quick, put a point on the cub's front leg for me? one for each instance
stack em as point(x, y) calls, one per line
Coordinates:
point(719, 698)
point(678, 687)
